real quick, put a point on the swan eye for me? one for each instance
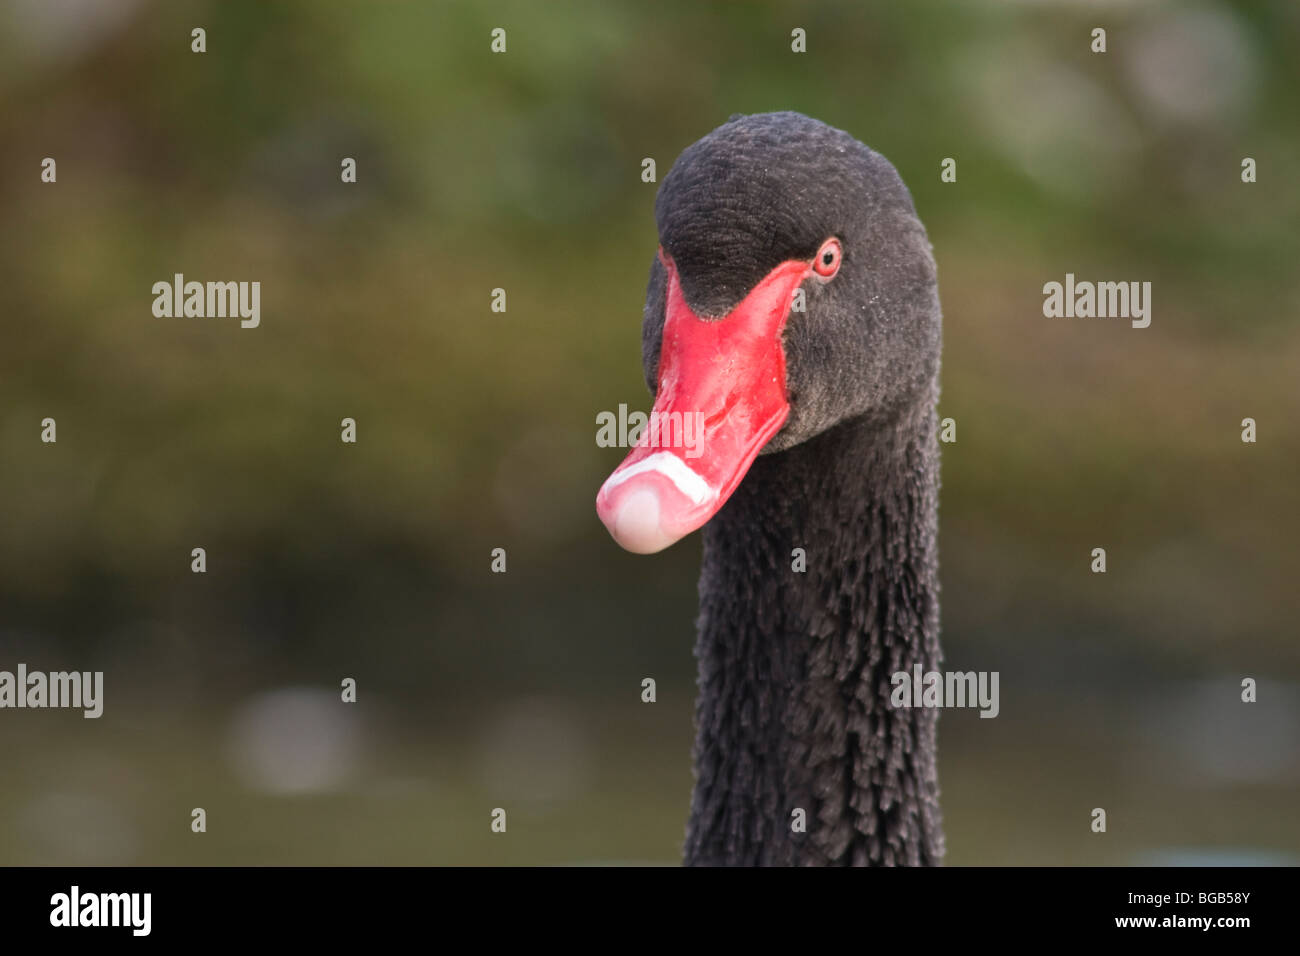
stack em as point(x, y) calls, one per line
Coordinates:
point(828, 259)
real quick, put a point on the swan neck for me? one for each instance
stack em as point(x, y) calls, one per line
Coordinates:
point(819, 582)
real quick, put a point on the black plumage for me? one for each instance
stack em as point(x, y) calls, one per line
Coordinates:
point(794, 668)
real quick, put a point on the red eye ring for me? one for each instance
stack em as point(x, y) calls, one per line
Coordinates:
point(828, 259)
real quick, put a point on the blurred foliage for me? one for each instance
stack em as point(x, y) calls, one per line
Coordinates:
point(476, 429)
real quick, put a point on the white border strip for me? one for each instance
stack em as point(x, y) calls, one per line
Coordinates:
point(688, 482)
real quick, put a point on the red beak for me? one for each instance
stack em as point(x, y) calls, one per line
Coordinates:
point(721, 398)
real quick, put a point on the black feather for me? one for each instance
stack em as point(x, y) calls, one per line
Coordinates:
point(794, 704)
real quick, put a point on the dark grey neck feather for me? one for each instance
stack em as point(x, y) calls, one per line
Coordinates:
point(794, 699)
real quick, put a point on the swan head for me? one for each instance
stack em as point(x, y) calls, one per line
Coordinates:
point(793, 288)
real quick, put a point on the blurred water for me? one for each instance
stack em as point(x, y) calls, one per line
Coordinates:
point(295, 740)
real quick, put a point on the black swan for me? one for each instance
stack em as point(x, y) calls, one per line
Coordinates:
point(815, 431)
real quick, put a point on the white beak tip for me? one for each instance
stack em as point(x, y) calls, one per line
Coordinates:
point(636, 525)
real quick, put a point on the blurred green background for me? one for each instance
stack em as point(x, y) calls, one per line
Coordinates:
point(476, 430)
